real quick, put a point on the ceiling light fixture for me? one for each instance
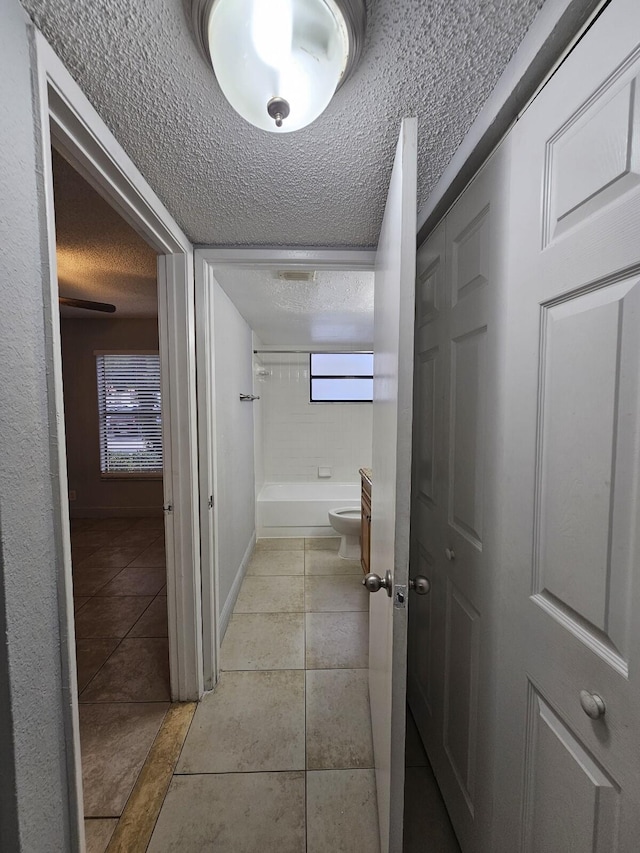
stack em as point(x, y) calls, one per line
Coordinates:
point(279, 62)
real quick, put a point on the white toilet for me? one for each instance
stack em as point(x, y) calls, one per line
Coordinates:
point(345, 520)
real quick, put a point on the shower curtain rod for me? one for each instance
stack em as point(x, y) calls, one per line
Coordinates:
point(309, 351)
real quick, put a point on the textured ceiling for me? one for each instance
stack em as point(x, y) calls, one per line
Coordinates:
point(100, 257)
point(335, 310)
point(228, 183)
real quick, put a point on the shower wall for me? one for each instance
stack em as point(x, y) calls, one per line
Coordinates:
point(298, 437)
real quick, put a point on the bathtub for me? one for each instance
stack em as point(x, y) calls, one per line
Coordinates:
point(301, 509)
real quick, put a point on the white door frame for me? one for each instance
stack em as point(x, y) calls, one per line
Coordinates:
point(68, 121)
point(206, 260)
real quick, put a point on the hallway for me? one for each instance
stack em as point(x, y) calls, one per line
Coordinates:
point(280, 756)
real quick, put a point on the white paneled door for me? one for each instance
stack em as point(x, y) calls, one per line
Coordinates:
point(571, 647)
point(460, 294)
point(391, 494)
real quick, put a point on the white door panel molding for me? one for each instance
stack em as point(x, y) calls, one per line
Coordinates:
point(571, 630)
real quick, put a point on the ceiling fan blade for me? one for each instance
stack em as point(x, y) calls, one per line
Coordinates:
point(88, 304)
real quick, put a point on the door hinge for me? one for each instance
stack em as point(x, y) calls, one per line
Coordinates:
point(210, 502)
point(168, 508)
point(400, 595)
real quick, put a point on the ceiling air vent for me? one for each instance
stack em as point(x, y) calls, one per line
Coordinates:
point(297, 275)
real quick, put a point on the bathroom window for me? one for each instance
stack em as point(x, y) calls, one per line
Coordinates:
point(129, 414)
point(341, 377)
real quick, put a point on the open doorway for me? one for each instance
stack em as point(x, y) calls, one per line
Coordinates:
point(261, 313)
point(289, 719)
point(70, 125)
point(107, 277)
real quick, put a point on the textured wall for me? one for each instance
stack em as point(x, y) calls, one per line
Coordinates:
point(96, 496)
point(227, 182)
point(30, 661)
point(234, 439)
point(299, 436)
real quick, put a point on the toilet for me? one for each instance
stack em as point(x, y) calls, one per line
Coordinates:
point(345, 520)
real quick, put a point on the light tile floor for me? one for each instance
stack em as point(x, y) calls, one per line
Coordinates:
point(279, 757)
point(122, 658)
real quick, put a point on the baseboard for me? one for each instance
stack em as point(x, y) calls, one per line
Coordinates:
point(230, 603)
point(292, 532)
point(115, 511)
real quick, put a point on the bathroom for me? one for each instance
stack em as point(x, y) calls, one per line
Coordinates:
point(280, 462)
point(308, 454)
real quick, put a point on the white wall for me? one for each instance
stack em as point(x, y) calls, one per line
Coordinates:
point(299, 436)
point(258, 408)
point(34, 798)
point(235, 478)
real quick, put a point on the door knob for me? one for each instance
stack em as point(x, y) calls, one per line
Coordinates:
point(450, 554)
point(374, 582)
point(420, 585)
point(592, 704)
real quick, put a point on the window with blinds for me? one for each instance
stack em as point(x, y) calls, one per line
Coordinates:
point(129, 413)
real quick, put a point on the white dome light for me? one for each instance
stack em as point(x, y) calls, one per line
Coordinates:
point(279, 62)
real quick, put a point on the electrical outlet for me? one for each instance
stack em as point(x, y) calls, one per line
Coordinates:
point(72, 494)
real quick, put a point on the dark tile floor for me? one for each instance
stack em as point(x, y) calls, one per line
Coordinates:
point(119, 580)
point(427, 828)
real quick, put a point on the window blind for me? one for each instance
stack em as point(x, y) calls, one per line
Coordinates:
point(129, 413)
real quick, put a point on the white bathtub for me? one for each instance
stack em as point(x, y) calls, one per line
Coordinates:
point(301, 509)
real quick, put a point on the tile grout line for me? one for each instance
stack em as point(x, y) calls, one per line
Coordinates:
point(100, 668)
point(259, 772)
point(130, 702)
point(99, 599)
point(305, 670)
point(128, 565)
point(126, 636)
point(294, 669)
point(120, 639)
point(126, 595)
point(110, 548)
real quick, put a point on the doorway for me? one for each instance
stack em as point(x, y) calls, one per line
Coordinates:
point(241, 271)
point(273, 372)
point(107, 279)
point(69, 124)
point(288, 725)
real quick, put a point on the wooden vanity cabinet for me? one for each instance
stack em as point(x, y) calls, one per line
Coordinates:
point(365, 528)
